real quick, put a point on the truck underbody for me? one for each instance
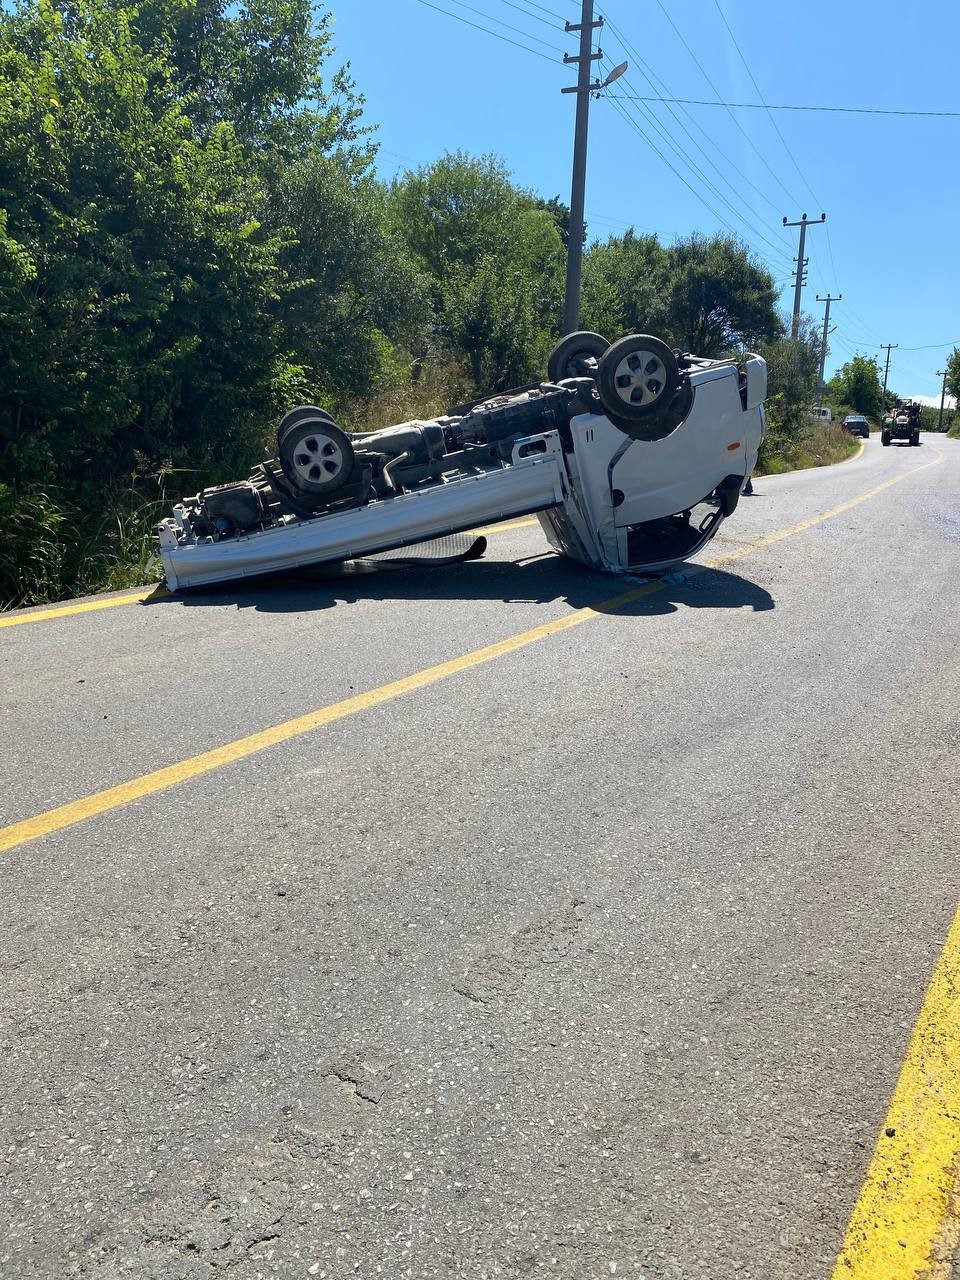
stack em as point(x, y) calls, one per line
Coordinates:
point(631, 455)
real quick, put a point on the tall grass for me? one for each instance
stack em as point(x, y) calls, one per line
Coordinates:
point(425, 390)
point(814, 444)
point(52, 549)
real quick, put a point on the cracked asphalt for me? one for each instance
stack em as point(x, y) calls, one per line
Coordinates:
point(597, 960)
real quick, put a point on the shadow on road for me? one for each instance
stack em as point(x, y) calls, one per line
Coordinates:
point(538, 580)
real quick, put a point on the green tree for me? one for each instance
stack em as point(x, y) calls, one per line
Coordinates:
point(624, 286)
point(718, 298)
point(454, 212)
point(560, 213)
point(792, 365)
point(257, 66)
point(706, 295)
point(360, 294)
point(857, 383)
point(138, 309)
point(495, 259)
point(953, 373)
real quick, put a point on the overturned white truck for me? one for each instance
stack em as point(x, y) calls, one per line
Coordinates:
point(631, 455)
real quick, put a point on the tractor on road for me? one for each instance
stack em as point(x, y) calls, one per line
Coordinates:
point(902, 424)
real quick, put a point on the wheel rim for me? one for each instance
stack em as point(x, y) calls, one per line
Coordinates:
point(640, 378)
point(317, 458)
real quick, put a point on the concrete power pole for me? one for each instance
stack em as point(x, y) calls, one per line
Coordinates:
point(826, 329)
point(583, 88)
point(888, 347)
point(942, 373)
point(801, 263)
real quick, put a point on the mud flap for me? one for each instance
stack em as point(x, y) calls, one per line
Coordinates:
point(456, 548)
point(728, 494)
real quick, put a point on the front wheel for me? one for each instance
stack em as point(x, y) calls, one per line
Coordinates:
point(915, 439)
point(885, 438)
point(636, 377)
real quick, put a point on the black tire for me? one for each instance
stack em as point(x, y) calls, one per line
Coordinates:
point(915, 439)
point(575, 356)
point(300, 414)
point(315, 455)
point(637, 377)
point(884, 438)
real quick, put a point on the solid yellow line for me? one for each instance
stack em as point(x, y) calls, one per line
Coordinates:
point(793, 529)
point(508, 525)
point(137, 597)
point(904, 1225)
point(162, 779)
point(65, 611)
point(854, 456)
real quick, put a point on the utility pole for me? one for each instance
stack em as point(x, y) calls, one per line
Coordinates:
point(942, 373)
point(823, 346)
point(583, 88)
point(801, 264)
point(888, 347)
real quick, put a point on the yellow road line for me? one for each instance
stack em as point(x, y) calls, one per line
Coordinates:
point(793, 529)
point(904, 1225)
point(65, 611)
point(854, 456)
point(68, 815)
point(137, 596)
point(162, 779)
point(508, 525)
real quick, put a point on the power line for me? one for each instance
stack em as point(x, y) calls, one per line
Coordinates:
point(547, 22)
point(764, 106)
point(634, 125)
point(865, 344)
point(482, 13)
point(932, 345)
point(617, 222)
point(496, 34)
point(711, 186)
point(533, 5)
point(750, 142)
point(863, 325)
point(655, 80)
point(746, 64)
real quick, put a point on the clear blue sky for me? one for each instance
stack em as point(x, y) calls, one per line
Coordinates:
point(890, 185)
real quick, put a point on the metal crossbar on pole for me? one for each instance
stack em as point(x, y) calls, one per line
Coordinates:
point(801, 264)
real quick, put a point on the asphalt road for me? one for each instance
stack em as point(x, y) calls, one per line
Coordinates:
point(600, 957)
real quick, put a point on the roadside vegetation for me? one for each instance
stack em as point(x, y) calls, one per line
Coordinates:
point(193, 239)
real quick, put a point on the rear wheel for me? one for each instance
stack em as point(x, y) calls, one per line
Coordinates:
point(884, 438)
point(316, 456)
point(300, 414)
point(576, 356)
